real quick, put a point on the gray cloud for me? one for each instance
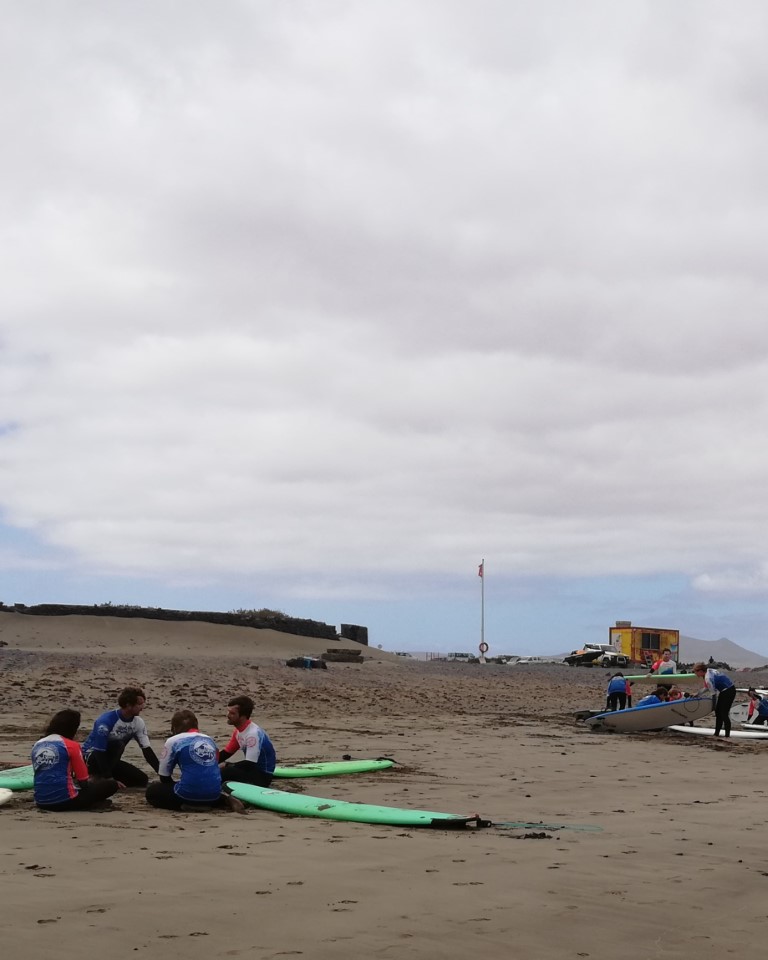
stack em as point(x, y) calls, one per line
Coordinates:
point(338, 287)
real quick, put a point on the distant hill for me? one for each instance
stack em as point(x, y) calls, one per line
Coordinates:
point(692, 649)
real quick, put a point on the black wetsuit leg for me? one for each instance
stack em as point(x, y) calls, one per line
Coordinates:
point(162, 796)
point(96, 792)
point(245, 772)
point(129, 775)
point(723, 710)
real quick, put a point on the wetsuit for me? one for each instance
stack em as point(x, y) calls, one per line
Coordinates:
point(723, 686)
point(104, 748)
point(61, 777)
point(761, 705)
point(650, 700)
point(617, 693)
point(196, 756)
point(259, 764)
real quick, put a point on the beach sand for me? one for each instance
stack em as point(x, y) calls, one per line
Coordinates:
point(679, 862)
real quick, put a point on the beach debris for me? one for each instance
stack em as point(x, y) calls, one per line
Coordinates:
point(307, 663)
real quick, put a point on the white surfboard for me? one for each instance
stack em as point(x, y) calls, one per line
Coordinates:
point(710, 732)
point(655, 716)
point(5, 796)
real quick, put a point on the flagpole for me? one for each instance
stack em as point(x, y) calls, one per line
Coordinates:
point(483, 645)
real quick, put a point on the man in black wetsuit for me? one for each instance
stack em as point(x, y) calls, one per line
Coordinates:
point(111, 734)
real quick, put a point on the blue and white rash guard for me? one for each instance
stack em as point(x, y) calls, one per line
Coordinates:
point(716, 681)
point(111, 732)
point(197, 757)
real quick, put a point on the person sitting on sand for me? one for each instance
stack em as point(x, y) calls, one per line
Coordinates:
point(61, 776)
point(617, 692)
point(111, 734)
point(195, 754)
point(665, 664)
point(760, 704)
point(659, 695)
point(259, 764)
point(722, 686)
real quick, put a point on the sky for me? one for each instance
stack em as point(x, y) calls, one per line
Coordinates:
point(315, 305)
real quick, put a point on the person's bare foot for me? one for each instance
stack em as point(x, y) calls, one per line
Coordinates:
point(232, 803)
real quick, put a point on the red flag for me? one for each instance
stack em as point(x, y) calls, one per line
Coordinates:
point(480, 569)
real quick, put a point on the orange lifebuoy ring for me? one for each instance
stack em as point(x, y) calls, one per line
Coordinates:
point(483, 648)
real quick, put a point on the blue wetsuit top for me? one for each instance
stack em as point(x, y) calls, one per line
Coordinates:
point(717, 681)
point(112, 732)
point(197, 757)
point(647, 701)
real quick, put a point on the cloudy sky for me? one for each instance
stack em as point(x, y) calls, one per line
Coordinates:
point(313, 305)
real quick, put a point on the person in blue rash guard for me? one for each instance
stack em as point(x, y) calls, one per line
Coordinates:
point(111, 734)
point(258, 766)
point(61, 777)
point(659, 695)
point(761, 705)
point(617, 692)
point(720, 684)
point(196, 756)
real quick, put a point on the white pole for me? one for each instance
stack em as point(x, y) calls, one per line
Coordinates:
point(483, 646)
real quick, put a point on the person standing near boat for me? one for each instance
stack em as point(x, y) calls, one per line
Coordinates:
point(665, 664)
point(617, 692)
point(717, 682)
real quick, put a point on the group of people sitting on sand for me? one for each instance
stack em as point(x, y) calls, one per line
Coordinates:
point(69, 776)
point(717, 683)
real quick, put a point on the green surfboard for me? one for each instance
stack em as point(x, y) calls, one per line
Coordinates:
point(17, 778)
point(332, 768)
point(22, 778)
point(682, 678)
point(300, 805)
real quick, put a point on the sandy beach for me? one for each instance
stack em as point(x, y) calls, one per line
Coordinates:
point(675, 858)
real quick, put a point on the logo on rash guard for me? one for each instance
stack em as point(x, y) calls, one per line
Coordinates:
point(45, 757)
point(103, 729)
point(251, 742)
point(203, 752)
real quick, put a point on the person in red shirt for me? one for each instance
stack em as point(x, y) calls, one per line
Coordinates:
point(61, 776)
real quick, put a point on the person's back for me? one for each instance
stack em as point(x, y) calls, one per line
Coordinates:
point(196, 756)
point(617, 684)
point(60, 775)
point(649, 700)
point(53, 759)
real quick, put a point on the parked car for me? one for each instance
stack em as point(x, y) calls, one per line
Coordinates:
point(597, 655)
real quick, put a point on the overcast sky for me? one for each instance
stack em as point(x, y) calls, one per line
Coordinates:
point(313, 305)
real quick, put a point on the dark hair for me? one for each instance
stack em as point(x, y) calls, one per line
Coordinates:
point(666, 650)
point(130, 697)
point(183, 720)
point(617, 675)
point(65, 723)
point(244, 705)
point(662, 693)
